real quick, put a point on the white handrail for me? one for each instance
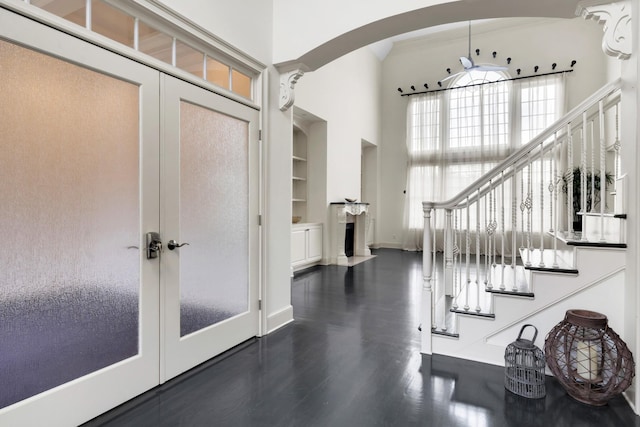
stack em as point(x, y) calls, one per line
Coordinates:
point(558, 127)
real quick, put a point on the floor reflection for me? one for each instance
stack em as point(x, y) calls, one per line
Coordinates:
point(352, 358)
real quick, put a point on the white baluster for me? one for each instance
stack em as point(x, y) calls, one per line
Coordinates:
point(433, 247)
point(583, 178)
point(514, 224)
point(478, 251)
point(487, 242)
point(444, 285)
point(541, 205)
point(494, 228)
point(468, 247)
point(551, 180)
point(504, 232)
point(616, 147)
point(522, 208)
point(554, 190)
point(456, 253)
point(448, 253)
point(569, 178)
point(528, 204)
point(486, 239)
point(460, 234)
point(603, 171)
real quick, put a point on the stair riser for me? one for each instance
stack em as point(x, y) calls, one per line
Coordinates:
point(614, 229)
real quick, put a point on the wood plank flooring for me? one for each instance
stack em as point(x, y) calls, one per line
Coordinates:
point(351, 358)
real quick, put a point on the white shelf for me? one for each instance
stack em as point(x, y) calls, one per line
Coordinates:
point(298, 178)
point(299, 159)
point(298, 200)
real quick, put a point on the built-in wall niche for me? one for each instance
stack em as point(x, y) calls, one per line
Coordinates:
point(308, 189)
point(308, 167)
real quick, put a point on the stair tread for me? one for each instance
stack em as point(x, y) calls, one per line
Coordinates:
point(597, 244)
point(559, 261)
point(606, 214)
point(575, 239)
point(445, 333)
point(509, 281)
point(473, 312)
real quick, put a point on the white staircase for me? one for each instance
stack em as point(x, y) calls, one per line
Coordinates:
point(476, 294)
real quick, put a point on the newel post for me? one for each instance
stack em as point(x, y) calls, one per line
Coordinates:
point(426, 311)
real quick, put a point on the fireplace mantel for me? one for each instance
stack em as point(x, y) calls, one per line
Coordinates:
point(342, 213)
point(354, 208)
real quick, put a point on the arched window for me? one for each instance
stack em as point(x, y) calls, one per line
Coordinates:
point(456, 135)
point(479, 113)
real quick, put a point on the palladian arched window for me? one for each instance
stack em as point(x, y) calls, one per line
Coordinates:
point(454, 136)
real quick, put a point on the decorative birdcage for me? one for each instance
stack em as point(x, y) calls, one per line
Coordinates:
point(524, 367)
point(588, 358)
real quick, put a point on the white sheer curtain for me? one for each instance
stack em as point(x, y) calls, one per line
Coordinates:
point(455, 136)
point(423, 146)
point(541, 102)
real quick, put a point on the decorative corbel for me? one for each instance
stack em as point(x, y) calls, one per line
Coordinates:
point(616, 18)
point(287, 82)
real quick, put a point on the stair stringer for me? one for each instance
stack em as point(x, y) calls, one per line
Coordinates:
point(600, 281)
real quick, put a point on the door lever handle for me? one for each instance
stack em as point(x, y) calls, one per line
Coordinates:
point(172, 244)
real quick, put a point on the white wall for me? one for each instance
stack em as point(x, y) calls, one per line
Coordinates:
point(346, 94)
point(528, 42)
point(277, 248)
point(323, 20)
point(244, 24)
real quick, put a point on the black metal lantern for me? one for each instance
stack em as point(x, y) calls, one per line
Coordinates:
point(588, 358)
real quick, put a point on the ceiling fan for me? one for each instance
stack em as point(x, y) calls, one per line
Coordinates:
point(469, 65)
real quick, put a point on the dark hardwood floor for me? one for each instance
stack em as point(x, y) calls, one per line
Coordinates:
point(352, 358)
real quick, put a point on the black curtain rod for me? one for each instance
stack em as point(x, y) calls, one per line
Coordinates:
point(487, 83)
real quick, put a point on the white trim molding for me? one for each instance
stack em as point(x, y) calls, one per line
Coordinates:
point(616, 19)
point(287, 82)
point(279, 319)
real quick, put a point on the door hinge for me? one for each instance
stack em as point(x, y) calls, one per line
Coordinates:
point(259, 304)
point(259, 220)
point(260, 135)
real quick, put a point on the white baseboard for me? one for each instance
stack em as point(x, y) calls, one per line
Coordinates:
point(280, 318)
point(386, 245)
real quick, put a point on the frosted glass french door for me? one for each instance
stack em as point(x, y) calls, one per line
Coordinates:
point(209, 206)
point(79, 187)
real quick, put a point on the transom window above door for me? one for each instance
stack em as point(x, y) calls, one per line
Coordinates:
point(136, 28)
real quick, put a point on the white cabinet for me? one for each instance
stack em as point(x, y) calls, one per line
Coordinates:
point(306, 245)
